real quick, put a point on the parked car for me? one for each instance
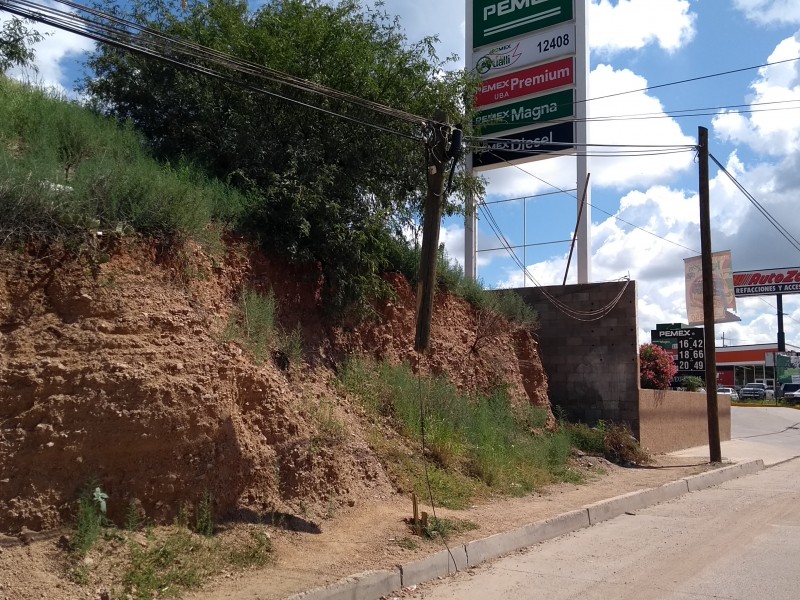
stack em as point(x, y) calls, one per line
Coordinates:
point(770, 393)
point(730, 391)
point(753, 391)
point(790, 392)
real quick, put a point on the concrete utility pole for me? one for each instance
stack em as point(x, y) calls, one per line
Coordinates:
point(714, 447)
point(436, 149)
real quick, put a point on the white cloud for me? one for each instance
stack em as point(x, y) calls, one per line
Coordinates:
point(633, 24)
point(656, 129)
point(51, 52)
point(619, 172)
point(770, 11)
point(774, 127)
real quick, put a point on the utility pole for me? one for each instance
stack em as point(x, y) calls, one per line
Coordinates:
point(781, 332)
point(436, 149)
point(715, 450)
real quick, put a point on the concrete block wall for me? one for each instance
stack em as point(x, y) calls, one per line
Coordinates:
point(675, 420)
point(592, 366)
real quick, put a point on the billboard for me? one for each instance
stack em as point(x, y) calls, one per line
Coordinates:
point(496, 20)
point(517, 54)
point(525, 146)
point(526, 113)
point(724, 299)
point(766, 282)
point(527, 82)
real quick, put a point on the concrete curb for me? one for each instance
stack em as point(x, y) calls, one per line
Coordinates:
point(439, 565)
point(718, 476)
point(364, 586)
point(374, 584)
point(614, 507)
point(499, 544)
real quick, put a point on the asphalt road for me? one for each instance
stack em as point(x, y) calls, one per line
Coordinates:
point(740, 540)
point(771, 434)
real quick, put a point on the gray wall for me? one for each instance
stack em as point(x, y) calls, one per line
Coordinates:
point(592, 367)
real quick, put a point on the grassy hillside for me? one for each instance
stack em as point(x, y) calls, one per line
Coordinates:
point(65, 173)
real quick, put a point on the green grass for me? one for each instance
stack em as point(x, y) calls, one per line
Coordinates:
point(166, 566)
point(443, 528)
point(90, 519)
point(64, 172)
point(450, 276)
point(475, 445)
point(253, 323)
point(166, 562)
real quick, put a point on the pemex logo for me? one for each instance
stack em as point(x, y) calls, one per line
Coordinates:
point(500, 57)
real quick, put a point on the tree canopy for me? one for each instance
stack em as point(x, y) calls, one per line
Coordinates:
point(16, 40)
point(330, 189)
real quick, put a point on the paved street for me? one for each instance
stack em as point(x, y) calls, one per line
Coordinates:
point(771, 434)
point(740, 540)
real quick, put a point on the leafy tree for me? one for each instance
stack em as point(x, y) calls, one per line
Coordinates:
point(656, 367)
point(691, 383)
point(16, 40)
point(332, 191)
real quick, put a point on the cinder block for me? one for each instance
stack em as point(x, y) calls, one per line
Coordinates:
point(613, 507)
point(364, 586)
point(441, 564)
point(510, 541)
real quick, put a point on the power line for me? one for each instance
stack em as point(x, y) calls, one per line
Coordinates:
point(772, 220)
point(531, 197)
point(665, 114)
point(699, 112)
point(604, 211)
point(121, 39)
point(692, 79)
point(578, 315)
point(200, 51)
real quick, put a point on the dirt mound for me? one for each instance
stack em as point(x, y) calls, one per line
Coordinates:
point(115, 370)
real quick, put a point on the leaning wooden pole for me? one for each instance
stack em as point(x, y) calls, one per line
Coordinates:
point(436, 149)
point(714, 447)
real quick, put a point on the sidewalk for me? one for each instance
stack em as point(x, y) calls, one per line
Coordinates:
point(388, 583)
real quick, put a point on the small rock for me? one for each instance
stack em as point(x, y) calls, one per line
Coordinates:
point(351, 502)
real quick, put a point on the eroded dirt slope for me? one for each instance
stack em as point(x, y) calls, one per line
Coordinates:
point(115, 370)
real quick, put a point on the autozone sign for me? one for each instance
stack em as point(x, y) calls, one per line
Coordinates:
point(526, 82)
point(495, 20)
point(766, 282)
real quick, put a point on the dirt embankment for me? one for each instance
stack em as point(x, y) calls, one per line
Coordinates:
point(117, 371)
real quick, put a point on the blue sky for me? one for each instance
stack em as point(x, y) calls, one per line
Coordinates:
point(641, 43)
point(636, 44)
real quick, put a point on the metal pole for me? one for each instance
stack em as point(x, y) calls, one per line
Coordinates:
point(584, 233)
point(715, 450)
point(781, 333)
point(572, 245)
point(525, 242)
point(470, 209)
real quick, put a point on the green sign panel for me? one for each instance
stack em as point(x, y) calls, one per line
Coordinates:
point(497, 20)
point(528, 113)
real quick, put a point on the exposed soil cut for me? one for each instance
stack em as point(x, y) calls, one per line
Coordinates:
point(115, 369)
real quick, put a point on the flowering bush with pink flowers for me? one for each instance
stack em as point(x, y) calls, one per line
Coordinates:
point(656, 367)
